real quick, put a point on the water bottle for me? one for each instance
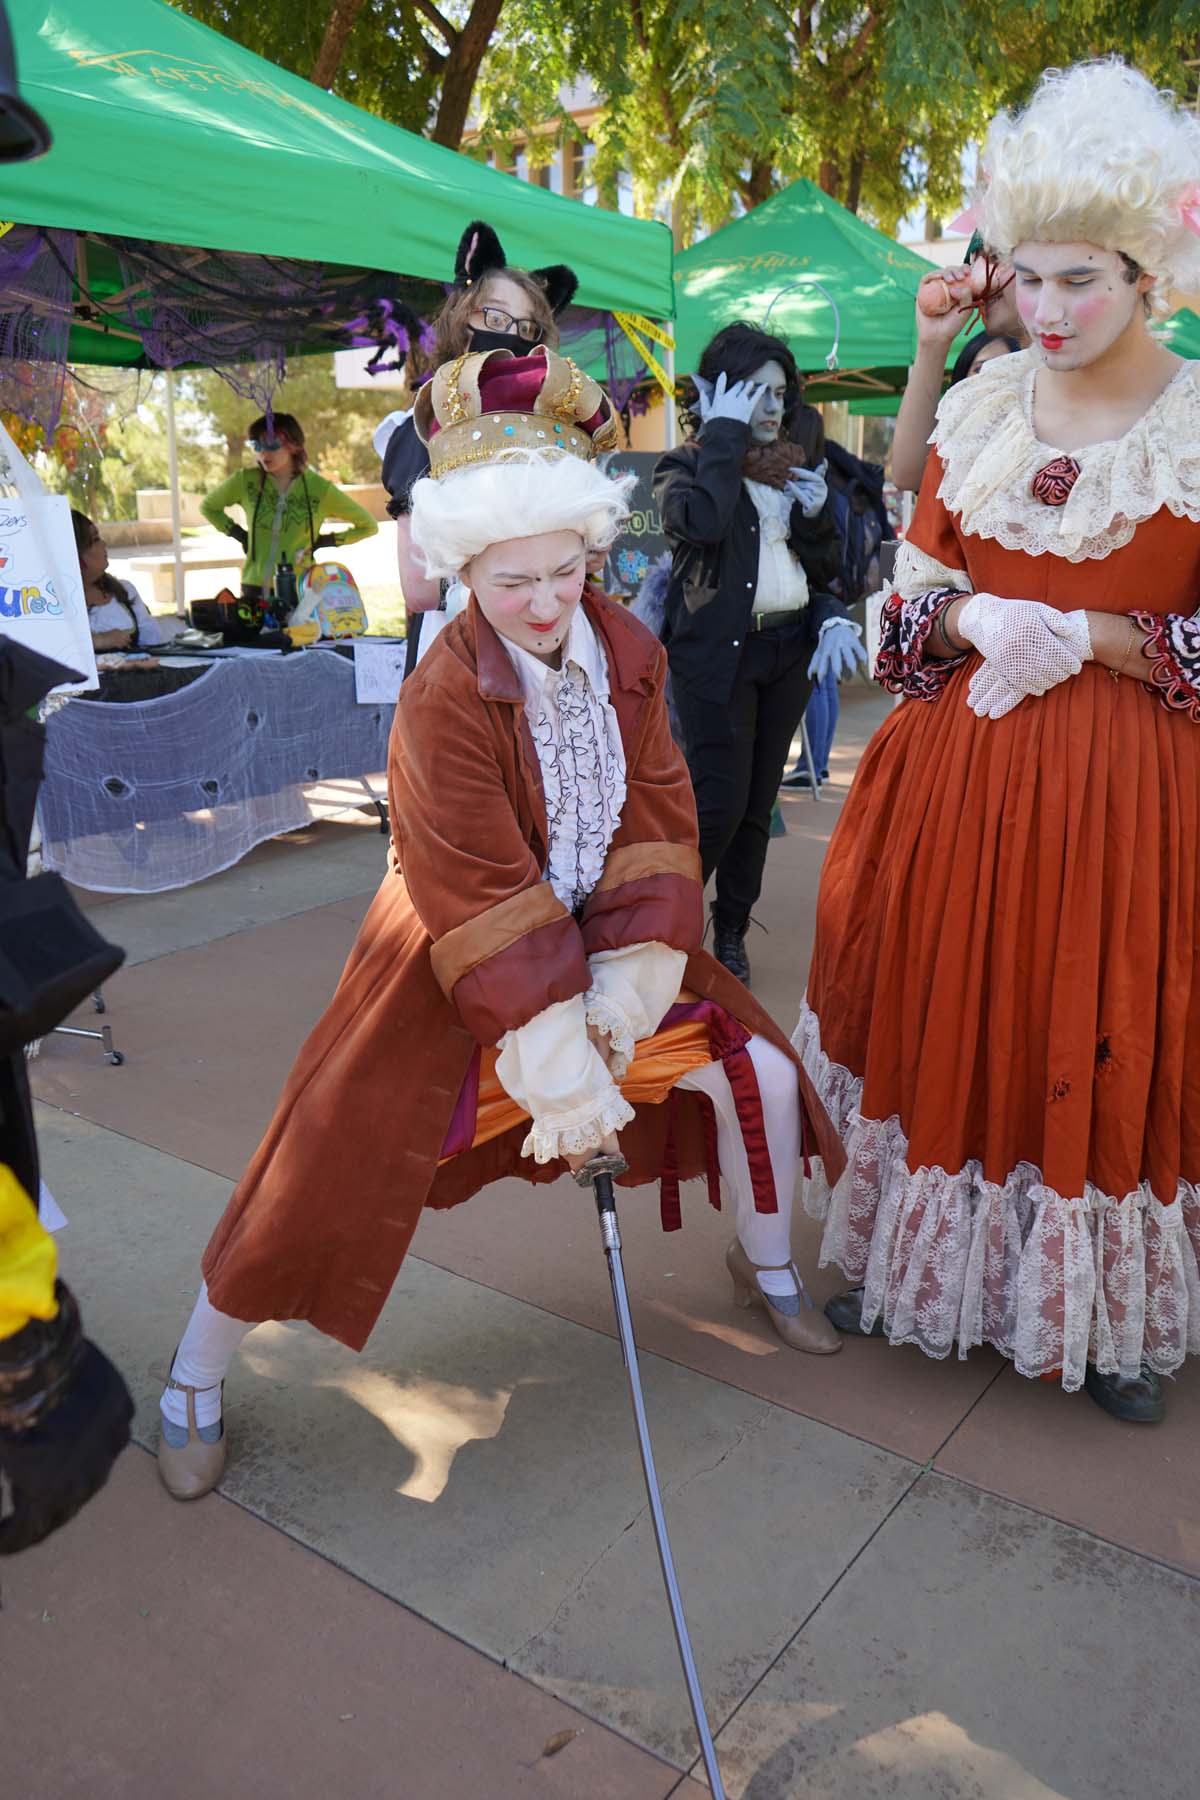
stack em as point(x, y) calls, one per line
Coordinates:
point(287, 595)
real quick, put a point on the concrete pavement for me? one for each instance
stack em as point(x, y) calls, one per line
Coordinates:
point(429, 1566)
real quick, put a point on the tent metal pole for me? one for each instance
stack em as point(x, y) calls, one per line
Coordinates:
point(173, 479)
point(670, 421)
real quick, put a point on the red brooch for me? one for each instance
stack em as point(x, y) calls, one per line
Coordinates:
point(1052, 485)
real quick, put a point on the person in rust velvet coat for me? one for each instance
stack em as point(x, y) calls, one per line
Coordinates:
point(533, 954)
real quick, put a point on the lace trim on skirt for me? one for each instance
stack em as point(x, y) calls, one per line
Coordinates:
point(1051, 1281)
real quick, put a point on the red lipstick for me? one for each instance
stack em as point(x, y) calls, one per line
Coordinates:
point(543, 628)
point(1050, 342)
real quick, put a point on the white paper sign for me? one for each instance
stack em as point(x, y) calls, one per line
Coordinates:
point(41, 589)
point(378, 672)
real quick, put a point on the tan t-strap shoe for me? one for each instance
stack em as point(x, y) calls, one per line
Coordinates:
point(195, 1468)
point(794, 1318)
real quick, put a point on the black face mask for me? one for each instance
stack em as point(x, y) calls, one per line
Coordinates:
point(499, 340)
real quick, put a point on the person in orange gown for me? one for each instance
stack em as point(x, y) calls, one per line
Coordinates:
point(1003, 1012)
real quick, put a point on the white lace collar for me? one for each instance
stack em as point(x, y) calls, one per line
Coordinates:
point(990, 451)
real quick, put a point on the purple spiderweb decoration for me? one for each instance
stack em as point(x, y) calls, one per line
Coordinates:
point(178, 306)
point(35, 316)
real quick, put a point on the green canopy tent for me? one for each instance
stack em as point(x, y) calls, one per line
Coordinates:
point(168, 132)
point(200, 205)
point(825, 276)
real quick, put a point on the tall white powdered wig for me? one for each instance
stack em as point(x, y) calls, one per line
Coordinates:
point(1099, 156)
point(511, 441)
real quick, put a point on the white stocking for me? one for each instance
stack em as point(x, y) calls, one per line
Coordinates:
point(202, 1360)
point(765, 1237)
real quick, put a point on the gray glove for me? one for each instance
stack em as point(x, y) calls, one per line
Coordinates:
point(720, 401)
point(808, 489)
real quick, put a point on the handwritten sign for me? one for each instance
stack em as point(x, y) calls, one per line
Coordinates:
point(378, 672)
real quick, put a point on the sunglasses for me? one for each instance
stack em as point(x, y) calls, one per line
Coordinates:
point(496, 319)
point(258, 445)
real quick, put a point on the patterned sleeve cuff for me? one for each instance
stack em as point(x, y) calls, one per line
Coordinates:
point(1172, 649)
point(581, 1129)
point(901, 666)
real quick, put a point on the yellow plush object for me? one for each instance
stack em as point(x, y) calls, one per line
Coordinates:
point(28, 1259)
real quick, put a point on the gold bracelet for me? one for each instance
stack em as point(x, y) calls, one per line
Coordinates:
point(1129, 649)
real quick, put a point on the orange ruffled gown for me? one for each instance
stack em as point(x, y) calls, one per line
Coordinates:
point(1003, 1012)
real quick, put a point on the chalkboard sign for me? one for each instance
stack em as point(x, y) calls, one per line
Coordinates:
point(642, 538)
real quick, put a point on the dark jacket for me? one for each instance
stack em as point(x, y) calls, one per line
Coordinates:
point(711, 524)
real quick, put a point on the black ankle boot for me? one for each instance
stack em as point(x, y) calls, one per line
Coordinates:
point(729, 945)
point(845, 1311)
point(1138, 1401)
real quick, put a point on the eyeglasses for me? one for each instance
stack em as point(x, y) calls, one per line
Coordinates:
point(496, 319)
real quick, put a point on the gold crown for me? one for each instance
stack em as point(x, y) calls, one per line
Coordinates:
point(470, 432)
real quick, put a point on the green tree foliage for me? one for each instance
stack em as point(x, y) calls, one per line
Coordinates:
point(710, 104)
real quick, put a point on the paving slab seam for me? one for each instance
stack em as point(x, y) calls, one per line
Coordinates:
point(436, 1625)
point(222, 937)
point(115, 1131)
point(920, 1472)
point(1086, 1531)
point(677, 1362)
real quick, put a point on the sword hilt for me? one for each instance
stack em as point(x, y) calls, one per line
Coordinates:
point(599, 1172)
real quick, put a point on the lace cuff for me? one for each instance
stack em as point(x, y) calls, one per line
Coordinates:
point(901, 665)
point(581, 1129)
point(1173, 650)
point(614, 1023)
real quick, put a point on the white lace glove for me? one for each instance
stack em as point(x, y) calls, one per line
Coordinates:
point(720, 401)
point(808, 489)
point(991, 695)
point(1033, 647)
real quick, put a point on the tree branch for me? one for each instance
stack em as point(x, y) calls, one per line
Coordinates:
point(448, 32)
point(342, 18)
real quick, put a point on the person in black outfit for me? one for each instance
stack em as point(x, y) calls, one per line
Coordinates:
point(490, 307)
point(751, 621)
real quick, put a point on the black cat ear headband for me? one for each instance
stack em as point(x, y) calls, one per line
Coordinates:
point(481, 253)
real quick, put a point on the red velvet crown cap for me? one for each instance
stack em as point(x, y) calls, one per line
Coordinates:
point(511, 384)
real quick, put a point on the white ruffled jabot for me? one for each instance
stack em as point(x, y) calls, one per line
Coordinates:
point(991, 453)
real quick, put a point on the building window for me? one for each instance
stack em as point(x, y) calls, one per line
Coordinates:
point(583, 154)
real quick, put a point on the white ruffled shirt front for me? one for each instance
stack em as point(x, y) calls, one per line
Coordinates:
point(550, 1066)
point(782, 583)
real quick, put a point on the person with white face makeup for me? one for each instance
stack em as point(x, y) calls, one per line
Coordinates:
point(531, 972)
point(750, 622)
point(1003, 1011)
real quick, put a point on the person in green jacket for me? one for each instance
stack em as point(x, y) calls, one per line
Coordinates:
point(285, 504)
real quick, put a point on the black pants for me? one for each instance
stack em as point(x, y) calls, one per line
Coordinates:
point(736, 754)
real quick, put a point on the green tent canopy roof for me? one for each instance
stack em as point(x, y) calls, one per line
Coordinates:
point(167, 131)
point(803, 241)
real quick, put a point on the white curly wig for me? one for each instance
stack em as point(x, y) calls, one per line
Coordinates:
point(1099, 156)
point(520, 493)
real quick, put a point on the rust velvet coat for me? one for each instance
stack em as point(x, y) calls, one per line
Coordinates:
point(463, 942)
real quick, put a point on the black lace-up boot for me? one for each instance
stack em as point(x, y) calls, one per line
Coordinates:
point(729, 944)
